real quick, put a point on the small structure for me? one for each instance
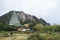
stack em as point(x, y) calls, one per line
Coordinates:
point(23, 28)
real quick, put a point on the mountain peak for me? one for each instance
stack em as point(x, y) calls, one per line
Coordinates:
point(17, 17)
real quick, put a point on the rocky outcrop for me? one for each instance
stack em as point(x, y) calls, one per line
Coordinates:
point(19, 17)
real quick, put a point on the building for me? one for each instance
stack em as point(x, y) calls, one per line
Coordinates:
point(23, 28)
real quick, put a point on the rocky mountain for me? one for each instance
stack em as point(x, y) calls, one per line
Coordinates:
point(19, 17)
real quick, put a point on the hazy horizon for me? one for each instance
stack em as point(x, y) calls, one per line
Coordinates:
point(49, 10)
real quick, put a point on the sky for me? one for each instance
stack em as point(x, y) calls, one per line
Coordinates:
point(49, 10)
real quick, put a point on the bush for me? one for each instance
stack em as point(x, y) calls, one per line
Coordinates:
point(36, 37)
point(51, 28)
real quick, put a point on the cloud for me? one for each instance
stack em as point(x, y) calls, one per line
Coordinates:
point(47, 9)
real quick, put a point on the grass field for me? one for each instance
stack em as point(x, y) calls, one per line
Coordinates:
point(17, 36)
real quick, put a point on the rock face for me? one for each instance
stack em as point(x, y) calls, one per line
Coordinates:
point(42, 21)
point(19, 17)
point(14, 19)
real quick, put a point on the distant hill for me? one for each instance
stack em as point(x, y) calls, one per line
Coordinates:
point(19, 17)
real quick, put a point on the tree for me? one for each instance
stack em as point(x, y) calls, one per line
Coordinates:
point(37, 27)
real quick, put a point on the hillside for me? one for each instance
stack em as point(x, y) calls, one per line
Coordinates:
point(19, 17)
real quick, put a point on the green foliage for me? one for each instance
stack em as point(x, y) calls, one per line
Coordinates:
point(55, 28)
point(32, 25)
point(5, 27)
point(10, 28)
point(36, 37)
point(5, 35)
point(37, 27)
point(41, 28)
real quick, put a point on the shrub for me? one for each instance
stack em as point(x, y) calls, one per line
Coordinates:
point(36, 37)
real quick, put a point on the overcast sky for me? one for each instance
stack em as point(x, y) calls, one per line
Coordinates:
point(49, 10)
